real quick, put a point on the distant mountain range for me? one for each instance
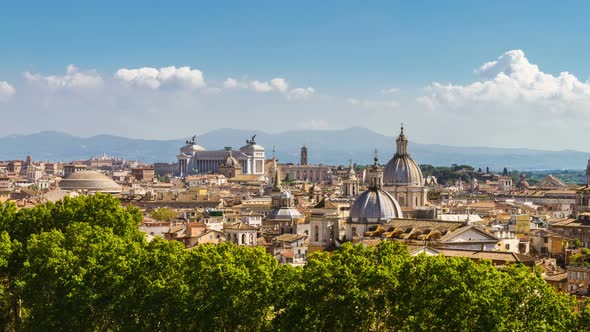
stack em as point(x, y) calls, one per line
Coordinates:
point(332, 147)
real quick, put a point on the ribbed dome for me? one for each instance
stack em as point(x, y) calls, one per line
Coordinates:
point(402, 170)
point(374, 206)
point(89, 181)
point(230, 161)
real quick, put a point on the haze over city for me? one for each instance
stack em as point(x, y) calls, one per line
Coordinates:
point(457, 73)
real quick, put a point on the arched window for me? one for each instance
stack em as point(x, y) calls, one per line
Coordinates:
point(244, 239)
point(316, 231)
point(402, 200)
point(416, 201)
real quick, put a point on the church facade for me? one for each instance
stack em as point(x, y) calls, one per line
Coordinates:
point(194, 159)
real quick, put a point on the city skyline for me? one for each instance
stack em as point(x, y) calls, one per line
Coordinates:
point(457, 73)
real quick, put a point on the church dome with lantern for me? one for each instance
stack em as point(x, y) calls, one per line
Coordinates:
point(374, 205)
point(402, 169)
point(402, 176)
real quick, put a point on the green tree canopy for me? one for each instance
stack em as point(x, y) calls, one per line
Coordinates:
point(163, 214)
point(82, 265)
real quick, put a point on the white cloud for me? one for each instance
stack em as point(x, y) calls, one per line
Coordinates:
point(232, 83)
point(389, 91)
point(73, 78)
point(153, 78)
point(301, 93)
point(261, 86)
point(374, 104)
point(279, 84)
point(510, 79)
point(6, 91)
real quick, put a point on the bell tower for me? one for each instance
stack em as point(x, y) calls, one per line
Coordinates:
point(303, 155)
point(375, 175)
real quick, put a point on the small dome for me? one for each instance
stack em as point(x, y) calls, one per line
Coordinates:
point(89, 181)
point(351, 175)
point(374, 206)
point(230, 161)
point(523, 184)
point(284, 213)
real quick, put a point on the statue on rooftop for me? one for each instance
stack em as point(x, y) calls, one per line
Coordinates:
point(192, 141)
point(252, 140)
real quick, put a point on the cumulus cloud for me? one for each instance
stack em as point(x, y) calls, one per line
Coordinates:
point(509, 79)
point(277, 84)
point(374, 104)
point(301, 93)
point(261, 86)
point(73, 78)
point(232, 83)
point(6, 91)
point(153, 78)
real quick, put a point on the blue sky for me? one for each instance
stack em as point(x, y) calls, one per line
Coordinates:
point(347, 52)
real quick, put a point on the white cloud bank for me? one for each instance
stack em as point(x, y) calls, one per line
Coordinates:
point(510, 79)
point(73, 79)
point(6, 91)
point(153, 78)
point(278, 84)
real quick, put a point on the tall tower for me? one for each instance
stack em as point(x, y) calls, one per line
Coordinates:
point(588, 174)
point(303, 155)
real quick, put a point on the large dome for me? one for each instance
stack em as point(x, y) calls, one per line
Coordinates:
point(374, 206)
point(402, 170)
point(89, 181)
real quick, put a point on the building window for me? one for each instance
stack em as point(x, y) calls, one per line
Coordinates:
point(316, 235)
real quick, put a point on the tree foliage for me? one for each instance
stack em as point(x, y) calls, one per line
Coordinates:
point(82, 265)
point(163, 214)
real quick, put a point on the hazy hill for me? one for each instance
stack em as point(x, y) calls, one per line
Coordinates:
point(324, 146)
